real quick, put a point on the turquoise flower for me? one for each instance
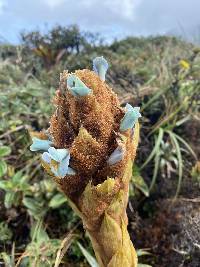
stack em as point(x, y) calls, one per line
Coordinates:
point(46, 157)
point(100, 66)
point(116, 156)
point(130, 118)
point(40, 144)
point(58, 154)
point(62, 157)
point(77, 87)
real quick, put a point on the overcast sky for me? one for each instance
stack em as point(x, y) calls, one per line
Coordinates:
point(111, 18)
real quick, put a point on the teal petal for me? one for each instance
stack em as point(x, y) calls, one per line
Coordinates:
point(130, 118)
point(63, 168)
point(59, 174)
point(116, 156)
point(74, 81)
point(62, 157)
point(77, 87)
point(58, 154)
point(46, 157)
point(128, 107)
point(80, 91)
point(39, 144)
point(100, 66)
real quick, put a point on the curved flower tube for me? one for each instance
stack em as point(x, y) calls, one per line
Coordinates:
point(100, 66)
point(130, 118)
point(40, 144)
point(77, 87)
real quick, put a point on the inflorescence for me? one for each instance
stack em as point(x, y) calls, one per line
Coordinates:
point(57, 160)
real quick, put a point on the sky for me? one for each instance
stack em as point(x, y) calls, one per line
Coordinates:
point(111, 18)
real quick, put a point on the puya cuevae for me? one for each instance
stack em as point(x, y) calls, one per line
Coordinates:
point(91, 138)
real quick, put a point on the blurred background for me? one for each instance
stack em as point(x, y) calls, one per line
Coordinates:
point(153, 51)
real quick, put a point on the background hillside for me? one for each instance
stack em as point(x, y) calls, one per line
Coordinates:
point(159, 74)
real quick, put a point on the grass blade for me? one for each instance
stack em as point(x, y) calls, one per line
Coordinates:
point(143, 252)
point(63, 248)
point(154, 97)
point(91, 260)
point(155, 172)
point(180, 161)
point(155, 149)
point(186, 145)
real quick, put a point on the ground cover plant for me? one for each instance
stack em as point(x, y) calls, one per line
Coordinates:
point(159, 74)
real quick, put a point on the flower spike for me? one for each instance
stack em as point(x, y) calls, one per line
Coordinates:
point(88, 134)
point(100, 66)
point(130, 118)
point(77, 87)
point(40, 144)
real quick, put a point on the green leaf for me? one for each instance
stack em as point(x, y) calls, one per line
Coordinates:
point(180, 161)
point(6, 185)
point(155, 97)
point(9, 199)
point(186, 145)
point(139, 182)
point(35, 208)
point(90, 259)
point(31, 204)
point(17, 177)
point(7, 259)
point(5, 232)
point(155, 149)
point(142, 252)
point(42, 235)
point(155, 171)
point(4, 151)
point(57, 201)
point(3, 168)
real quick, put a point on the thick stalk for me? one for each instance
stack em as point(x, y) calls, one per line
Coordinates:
point(105, 220)
point(112, 244)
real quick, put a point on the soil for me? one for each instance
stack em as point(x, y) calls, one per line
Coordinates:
point(172, 233)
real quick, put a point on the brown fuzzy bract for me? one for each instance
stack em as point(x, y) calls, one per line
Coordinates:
point(88, 126)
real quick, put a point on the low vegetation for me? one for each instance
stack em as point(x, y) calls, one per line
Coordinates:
point(162, 76)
